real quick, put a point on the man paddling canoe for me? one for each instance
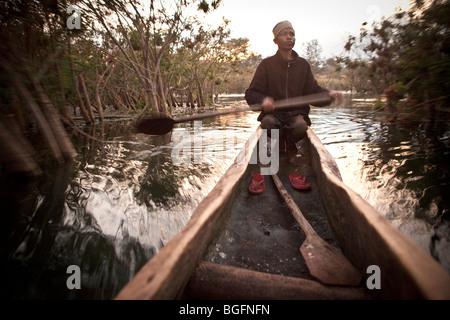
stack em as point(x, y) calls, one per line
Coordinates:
point(282, 76)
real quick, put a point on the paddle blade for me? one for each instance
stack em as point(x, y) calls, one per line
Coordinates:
point(327, 263)
point(155, 126)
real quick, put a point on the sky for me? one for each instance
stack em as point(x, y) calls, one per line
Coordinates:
point(328, 21)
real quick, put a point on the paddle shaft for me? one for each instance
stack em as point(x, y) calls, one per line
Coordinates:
point(280, 105)
point(304, 224)
point(163, 125)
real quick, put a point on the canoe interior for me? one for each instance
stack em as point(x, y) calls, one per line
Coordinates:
point(256, 254)
point(261, 234)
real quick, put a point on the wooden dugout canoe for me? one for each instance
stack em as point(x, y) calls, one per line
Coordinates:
point(240, 246)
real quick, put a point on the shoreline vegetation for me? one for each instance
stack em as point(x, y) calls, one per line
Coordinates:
point(85, 61)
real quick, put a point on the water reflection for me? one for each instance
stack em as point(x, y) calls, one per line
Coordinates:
point(114, 208)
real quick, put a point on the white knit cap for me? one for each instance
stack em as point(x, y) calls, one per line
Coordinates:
point(280, 26)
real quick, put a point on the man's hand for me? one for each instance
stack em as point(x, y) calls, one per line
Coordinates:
point(268, 105)
point(336, 95)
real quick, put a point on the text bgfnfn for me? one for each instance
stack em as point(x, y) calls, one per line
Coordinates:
point(226, 309)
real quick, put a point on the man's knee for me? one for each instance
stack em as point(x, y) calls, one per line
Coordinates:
point(270, 122)
point(298, 128)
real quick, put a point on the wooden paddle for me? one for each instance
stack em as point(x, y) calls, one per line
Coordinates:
point(325, 262)
point(164, 124)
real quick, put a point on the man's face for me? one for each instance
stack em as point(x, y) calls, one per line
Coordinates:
point(285, 39)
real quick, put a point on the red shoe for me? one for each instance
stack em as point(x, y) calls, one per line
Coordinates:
point(298, 182)
point(257, 185)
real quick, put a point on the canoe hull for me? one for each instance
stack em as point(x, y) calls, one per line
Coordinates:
point(368, 239)
point(363, 234)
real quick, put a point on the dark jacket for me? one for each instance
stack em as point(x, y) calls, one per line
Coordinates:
point(280, 79)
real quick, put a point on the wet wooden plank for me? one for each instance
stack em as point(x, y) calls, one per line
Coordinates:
point(219, 282)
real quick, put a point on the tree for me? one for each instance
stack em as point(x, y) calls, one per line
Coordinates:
point(205, 61)
point(424, 57)
point(30, 46)
point(238, 71)
point(313, 53)
point(409, 50)
point(144, 34)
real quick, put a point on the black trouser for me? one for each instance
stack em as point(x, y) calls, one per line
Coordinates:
point(293, 129)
